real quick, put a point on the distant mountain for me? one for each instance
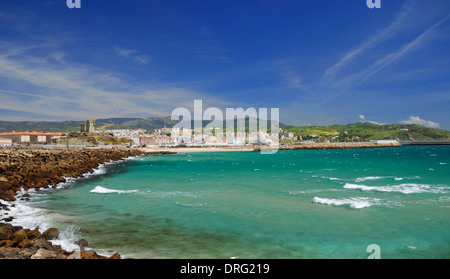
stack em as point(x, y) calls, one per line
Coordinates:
point(150, 123)
point(364, 130)
point(110, 123)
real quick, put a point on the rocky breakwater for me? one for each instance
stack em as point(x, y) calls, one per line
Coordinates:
point(26, 169)
point(20, 243)
point(338, 145)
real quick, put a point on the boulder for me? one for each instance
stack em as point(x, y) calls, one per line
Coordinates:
point(116, 256)
point(33, 234)
point(90, 255)
point(82, 243)
point(51, 233)
point(43, 254)
point(7, 196)
point(26, 253)
point(23, 243)
point(18, 236)
point(6, 232)
point(5, 185)
point(39, 243)
point(8, 253)
point(74, 256)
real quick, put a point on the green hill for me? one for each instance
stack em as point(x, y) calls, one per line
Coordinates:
point(363, 131)
point(367, 131)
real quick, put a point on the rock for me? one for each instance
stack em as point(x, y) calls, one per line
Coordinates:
point(90, 255)
point(6, 232)
point(23, 243)
point(51, 233)
point(39, 243)
point(9, 219)
point(26, 253)
point(8, 253)
point(82, 243)
point(116, 256)
point(43, 254)
point(33, 234)
point(5, 185)
point(18, 236)
point(7, 196)
point(9, 243)
point(74, 256)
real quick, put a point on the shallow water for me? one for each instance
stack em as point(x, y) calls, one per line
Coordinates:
point(292, 204)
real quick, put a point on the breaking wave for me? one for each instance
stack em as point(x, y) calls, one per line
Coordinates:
point(407, 188)
point(103, 190)
point(357, 202)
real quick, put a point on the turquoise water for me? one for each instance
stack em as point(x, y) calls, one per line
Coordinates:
point(292, 204)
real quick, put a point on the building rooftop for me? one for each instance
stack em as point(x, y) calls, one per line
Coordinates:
point(26, 133)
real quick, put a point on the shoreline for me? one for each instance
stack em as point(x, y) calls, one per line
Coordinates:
point(302, 146)
point(24, 170)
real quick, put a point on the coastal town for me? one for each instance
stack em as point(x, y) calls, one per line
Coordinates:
point(89, 136)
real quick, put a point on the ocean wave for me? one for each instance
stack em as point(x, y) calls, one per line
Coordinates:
point(30, 217)
point(361, 179)
point(169, 194)
point(407, 188)
point(98, 171)
point(103, 190)
point(356, 202)
point(334, 178)
point(313, 191)
point(26, 216)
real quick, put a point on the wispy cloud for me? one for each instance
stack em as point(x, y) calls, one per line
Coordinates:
point(393, 57)
point(363, 118)
point(132, 54)
point(396, 26)
point(74, 91)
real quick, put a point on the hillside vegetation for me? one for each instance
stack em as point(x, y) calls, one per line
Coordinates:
point(361, 131)
point(369, 131)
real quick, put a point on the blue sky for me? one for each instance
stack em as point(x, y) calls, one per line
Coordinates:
point(320, 62)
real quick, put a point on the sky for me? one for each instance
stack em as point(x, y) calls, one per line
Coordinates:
point(321, 62)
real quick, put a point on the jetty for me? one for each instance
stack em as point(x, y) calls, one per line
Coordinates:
point(431, 142)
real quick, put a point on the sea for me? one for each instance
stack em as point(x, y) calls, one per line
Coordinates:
point(321, 204)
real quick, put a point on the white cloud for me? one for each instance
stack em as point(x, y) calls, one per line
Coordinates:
point(363, 118)
point(417, 120)
point(132, 54)
point(124, 52)
point(51, 90)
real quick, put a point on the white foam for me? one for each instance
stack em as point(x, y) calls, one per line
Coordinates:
point(26, 216)
point(356, 202)
point(333, 178)
point(361, 179)
point(440, 163)
point(169, 194)
point(98, 171)
point(67, 239)
point(103, 190)
point(31, 217)
point(313, 191)
point(407, 188)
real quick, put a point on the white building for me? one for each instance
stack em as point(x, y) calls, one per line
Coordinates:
point(5, 142)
